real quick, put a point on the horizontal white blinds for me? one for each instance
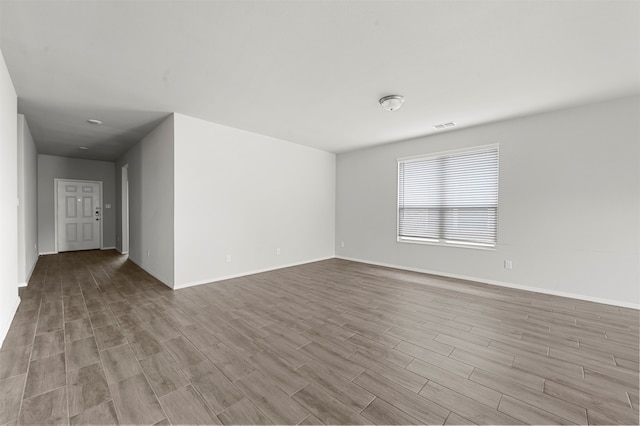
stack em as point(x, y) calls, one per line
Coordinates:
point(451, 198)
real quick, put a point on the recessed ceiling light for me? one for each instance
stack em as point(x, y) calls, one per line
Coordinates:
point(83, 147)
point(94, 121)
point(391, 102)
point(444, 125)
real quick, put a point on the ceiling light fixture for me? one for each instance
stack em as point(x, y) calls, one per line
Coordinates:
point(391, 102)
point(94, 121)
point(83, 147)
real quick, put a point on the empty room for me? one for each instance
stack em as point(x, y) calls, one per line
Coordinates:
point(319, 212)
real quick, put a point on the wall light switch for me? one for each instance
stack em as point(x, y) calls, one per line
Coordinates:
point(107, 206)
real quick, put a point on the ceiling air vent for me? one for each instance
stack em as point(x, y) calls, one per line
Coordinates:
point(444, 125)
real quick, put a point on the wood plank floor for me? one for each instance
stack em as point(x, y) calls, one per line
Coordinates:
point(96, 340)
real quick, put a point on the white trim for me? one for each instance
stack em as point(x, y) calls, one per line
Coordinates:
point(5, 327)
point(125, 226)
point(501, 284)
point(243, 274)
point(108, 248)
point(26, 282)
point(44, 253)
point(55, 208)
point(439, 154)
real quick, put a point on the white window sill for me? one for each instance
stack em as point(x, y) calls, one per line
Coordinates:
point(445, 244)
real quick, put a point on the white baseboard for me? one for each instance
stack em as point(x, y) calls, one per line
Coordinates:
point(108, 248)
point(26, 282)
point(501, 284)
point(244, 274)
point(7, 322)
point(44, 253)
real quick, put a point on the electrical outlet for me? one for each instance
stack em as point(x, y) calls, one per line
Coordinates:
point(278, 251)
point(508, 264)
point(228, 258)
point(148, 253)
point(342, 244)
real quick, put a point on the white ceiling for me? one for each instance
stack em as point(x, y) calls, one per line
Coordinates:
point(308, 72)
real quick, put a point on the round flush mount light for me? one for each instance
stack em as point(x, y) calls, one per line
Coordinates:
point(83, 147)
point(94, 121)
point(391, 102)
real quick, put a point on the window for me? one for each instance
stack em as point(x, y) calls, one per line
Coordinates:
point(449, 198)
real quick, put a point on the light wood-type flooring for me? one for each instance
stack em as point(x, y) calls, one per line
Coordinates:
point(96, 340)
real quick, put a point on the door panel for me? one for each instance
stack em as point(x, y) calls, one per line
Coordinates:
point(79, 215)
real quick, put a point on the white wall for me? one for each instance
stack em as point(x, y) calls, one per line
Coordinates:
point(28, 207)
point(9, 299)
point(151, 186)
point(51, 167)
point(246, 195)
point(569, 209)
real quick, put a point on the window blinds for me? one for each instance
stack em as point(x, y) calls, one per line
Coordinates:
point(449, 198)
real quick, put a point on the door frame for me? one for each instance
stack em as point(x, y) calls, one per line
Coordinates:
point(55, 207)
point(124, 223)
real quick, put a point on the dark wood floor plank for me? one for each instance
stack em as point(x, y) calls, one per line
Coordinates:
point(332, 360)
point(163, 374)
point(135, 401)
point(183, 352)
point(345, 337)
point(527, 413)
point(559, 407)
point(87, 388)
point(214, 387)
point(522, 376)
point(455, 419)
point(77, 330)
point(447, 363)
point(407, 401)
point(103, 414)
point(185, 407)
point(270, 399)
point(19, 335)
point(244, 412)
point(48, 344)
point(353, 396)
point(404, 377)
point(464, 406)
point(44, 375)
point(49, 408)
point(279, 372)
point(119, 363)
point(380, 412)
point(326, 408)
point(109, 336)
point(456, 383)
point(14, 362)
point(11, 397)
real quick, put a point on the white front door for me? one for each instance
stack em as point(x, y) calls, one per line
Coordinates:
point(79, 215)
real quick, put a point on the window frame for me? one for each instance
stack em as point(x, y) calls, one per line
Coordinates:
point(442, 242)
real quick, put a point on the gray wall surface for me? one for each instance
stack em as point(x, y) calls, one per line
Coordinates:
point(151, 202)
point(28, 207)
point(9, 299)
point(568, 214)
point(262, 201)
point(51, 167)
